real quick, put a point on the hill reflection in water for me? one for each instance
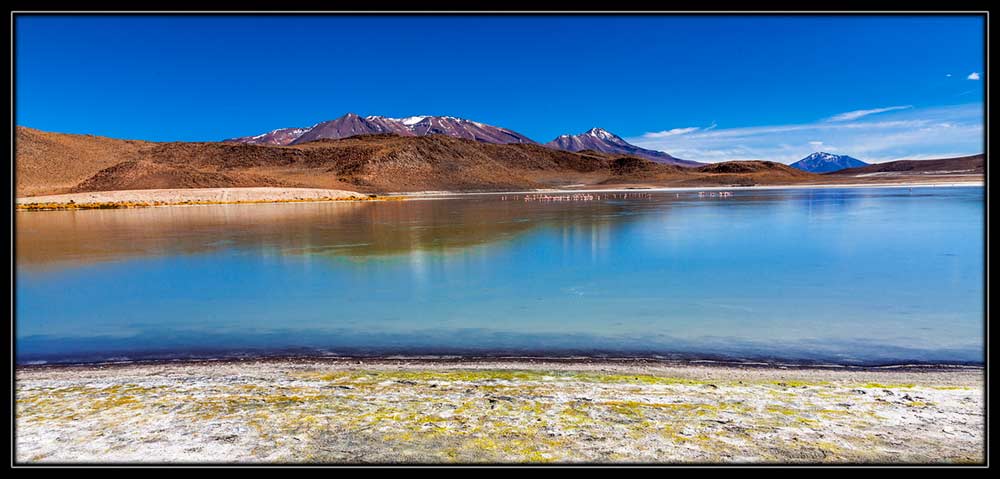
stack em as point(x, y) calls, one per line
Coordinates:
point(839, 275)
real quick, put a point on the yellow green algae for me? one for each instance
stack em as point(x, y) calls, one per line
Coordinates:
point(317, 414)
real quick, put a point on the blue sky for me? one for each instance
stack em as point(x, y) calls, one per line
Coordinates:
point(703, 88)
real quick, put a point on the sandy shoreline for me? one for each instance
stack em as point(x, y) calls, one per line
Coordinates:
point(187, 196)
point(495, 411)
point(212, 196)
point(655, 189)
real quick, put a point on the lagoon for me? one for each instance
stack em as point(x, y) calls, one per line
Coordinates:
point(855, 276)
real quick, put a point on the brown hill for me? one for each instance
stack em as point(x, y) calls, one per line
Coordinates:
point(52, 163)
point(145, 174)
point(745, 167)
point(748, 173)
point(966, 165)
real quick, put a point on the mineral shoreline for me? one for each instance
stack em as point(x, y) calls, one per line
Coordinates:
point(123, 199)
point(407, 410)
point(186, 197)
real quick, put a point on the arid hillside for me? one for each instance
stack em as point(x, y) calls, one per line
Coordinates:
point(54, 163)
point(962, 165)
point(57, 162)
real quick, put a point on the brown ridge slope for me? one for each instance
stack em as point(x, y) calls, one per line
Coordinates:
point(52, 163)
point(962, 165)
point(748, 173)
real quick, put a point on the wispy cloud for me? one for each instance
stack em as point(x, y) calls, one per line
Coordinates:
point(973, 76)
point(678, 131)
point(673, 132)
point(902, 134)
point(854, 115)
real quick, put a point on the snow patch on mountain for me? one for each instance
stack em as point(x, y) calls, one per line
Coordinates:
point(599, 139)
point(823, 162)
point(351, 124)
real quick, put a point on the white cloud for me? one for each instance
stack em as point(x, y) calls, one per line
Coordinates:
point(947, 75)
point(854, 115)
point(973, 76)
point(907, 133)
point(673, 132)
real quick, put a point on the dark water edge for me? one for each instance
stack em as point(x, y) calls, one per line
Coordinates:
point(453, 356)
point(170, 345)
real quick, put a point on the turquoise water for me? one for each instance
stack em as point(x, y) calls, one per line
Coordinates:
point(853, 276)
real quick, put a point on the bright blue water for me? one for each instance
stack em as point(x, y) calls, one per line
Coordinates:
point(860, 276)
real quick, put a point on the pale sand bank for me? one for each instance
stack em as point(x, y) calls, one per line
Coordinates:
point(207, 195)
point(687, 189)
point(495, 411)
point(185, 196)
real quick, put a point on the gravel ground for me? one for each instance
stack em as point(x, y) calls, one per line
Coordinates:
point(493, 411)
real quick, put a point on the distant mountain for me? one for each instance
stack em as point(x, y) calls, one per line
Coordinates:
point(963, 165)
point(281, 136)
point(55, 163)
point(462, 128)
point(601, 140)
point(353, 125)
point(821, 162)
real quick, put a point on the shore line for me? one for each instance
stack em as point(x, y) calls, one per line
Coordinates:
point(670, 189)
point(540, 361)
point(123, 199)
point(313, 411)
point(155, 204)
point(190, 197)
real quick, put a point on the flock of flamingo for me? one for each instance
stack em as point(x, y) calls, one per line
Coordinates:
point(604, 196)
point(723, 194)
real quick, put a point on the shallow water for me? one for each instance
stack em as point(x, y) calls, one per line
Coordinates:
point(853, 276)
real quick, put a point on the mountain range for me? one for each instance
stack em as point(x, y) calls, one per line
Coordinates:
point(962, 165)
point(822, 162)
point(55, 163)
point(351, 124)
point(598, 139)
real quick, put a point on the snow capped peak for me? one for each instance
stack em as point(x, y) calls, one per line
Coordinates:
point(822, 155)
point(413, 120)
point(351, 124)
point(601, 133)
point(408, 121)
point(279, 136)
point(601, 140)
point(823, 162)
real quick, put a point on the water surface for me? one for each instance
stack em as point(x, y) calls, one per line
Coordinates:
point(852, 276)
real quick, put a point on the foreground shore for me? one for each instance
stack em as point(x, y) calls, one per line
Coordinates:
point(495, 411)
